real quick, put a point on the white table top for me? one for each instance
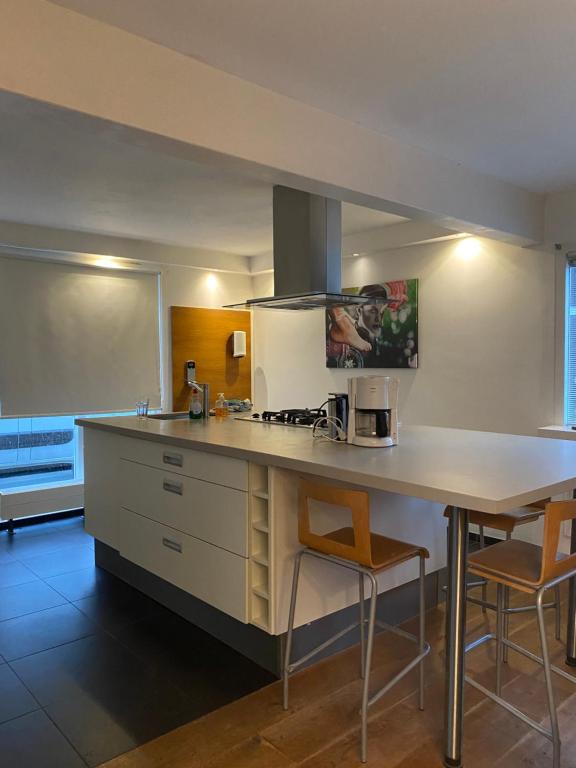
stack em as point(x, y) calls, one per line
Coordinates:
point(557, 431)
point(486, 471)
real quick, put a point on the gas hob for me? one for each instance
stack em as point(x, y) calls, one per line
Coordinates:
point(289, 417)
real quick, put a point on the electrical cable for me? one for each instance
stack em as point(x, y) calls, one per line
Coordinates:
point(325, 421)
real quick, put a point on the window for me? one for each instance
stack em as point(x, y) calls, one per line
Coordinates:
point(36, 451)
point(570, 352)
point(41, 450)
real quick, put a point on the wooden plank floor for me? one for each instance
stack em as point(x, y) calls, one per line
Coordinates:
point(321, 728)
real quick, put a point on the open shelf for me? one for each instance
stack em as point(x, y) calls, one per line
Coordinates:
point(260, 547)
point(263, 527)
point(261, 559)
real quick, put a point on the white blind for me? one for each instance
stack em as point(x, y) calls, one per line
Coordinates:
point(570, 369)
point(76, 339)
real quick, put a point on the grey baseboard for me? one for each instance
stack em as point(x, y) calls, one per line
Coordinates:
point(394, 607)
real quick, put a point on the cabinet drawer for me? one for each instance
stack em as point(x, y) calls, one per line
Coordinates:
point(210, 512)
point(213, 575)
point(223, 470)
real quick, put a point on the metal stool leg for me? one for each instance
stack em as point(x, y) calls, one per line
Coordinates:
point(422, 627)
point(558, 611)
point(366, 682)
point(548, 677)
point(499, 636)
point(362, 626)
point(485, 585)
point(288, 649)
point(506, 623)
point(506, 615)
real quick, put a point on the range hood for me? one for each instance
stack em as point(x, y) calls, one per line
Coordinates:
point(307, 254)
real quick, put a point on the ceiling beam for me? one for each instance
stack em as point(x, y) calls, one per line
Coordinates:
point(151, 95)
point(34, 241)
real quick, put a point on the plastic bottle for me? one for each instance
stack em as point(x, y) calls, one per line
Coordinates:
point(195, 411)
point(221, 406)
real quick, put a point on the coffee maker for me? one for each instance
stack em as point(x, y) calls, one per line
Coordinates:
point(373, 414)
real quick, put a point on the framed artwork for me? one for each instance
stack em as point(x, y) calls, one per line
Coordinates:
point(375, 335)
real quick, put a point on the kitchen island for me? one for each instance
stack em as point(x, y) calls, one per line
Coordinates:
point(210, 507)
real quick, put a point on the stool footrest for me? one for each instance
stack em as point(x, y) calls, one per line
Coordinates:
point(403, 672)
point(396, 631)
point(517, 609)
point(510, 708)
point(295, 664)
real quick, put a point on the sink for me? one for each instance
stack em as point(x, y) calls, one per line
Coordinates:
point(169, 416)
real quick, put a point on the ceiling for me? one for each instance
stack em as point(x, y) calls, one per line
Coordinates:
point(63, 170)
point(489, 84)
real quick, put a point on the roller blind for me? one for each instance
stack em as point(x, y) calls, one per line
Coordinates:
point(76, 339)
point(570, 336)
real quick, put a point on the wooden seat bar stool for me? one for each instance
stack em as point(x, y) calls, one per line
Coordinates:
point(532, 569)
point(507, 523)
point(355, 548)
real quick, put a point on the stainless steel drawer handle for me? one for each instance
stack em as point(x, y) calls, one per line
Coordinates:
point(175, 459)
point(174, 545)
point(173, 487)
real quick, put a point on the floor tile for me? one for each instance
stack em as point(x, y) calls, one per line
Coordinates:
point(13, 573)
point(118, 607)
point(27, 598)
point(33, 741)
point(102, 697)
point(65, 560)
point(42, 630)
point(5, 554)
point(208, 671)
point(100, 731)
point(87, 582)
point(27, 543)
point(15, 699)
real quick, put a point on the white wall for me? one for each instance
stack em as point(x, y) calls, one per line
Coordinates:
point(486, 346)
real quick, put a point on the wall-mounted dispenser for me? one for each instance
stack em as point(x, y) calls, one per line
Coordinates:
point(190, 372)
point(239, 344)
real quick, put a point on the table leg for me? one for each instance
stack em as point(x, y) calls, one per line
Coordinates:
point(455, 635)
point(571, 618)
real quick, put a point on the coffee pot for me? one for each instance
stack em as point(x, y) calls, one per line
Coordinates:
point(373, 411)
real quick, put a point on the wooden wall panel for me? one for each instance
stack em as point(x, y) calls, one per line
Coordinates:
point(204, 335)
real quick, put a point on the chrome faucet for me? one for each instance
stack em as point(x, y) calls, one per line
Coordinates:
point(204, 390)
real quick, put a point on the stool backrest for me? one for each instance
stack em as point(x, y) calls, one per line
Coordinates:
point(359, 504)
point(556, 513)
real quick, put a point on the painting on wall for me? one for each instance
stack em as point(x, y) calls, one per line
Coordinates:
point(375, 335)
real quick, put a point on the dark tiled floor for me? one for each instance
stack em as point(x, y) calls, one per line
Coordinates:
point(89, 666)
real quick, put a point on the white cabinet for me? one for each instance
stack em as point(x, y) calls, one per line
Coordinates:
point(102, 451)
point(213, 513)
point(179, 513)
point(222, 470)
point(210, 573)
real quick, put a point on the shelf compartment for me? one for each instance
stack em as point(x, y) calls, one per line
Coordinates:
point(262, 527)
point(260, 612)
point(258, 478)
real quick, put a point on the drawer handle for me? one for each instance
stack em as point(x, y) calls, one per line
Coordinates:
point(173, 487)
point(175, 459)
point(174, 545)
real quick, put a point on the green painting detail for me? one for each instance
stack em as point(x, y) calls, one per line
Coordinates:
point(375, 335)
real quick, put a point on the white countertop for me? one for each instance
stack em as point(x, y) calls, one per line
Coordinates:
point(557, 431)
point(486, 471)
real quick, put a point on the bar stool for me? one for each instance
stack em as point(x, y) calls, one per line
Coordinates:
point(507, 523)
point(531, 569)
point(368, 554)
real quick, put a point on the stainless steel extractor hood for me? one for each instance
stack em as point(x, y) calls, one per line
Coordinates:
point(307, 254)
